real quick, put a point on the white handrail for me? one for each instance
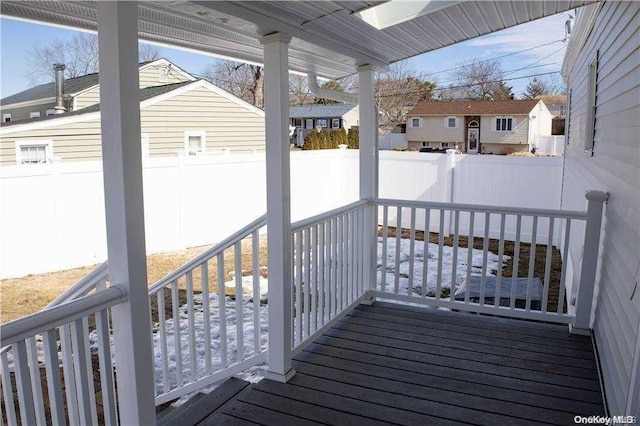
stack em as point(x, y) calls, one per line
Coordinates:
point(48, 319)
point(305, 223)
point(81, 287)
point(210, 253)
point(479, 208)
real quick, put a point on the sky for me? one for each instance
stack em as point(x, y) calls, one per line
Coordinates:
point(17, 38)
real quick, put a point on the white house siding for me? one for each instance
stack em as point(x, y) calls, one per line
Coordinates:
point(88, 98)
point(433, 130)
point(351, 118)
point(614, 167)
point(519, 134)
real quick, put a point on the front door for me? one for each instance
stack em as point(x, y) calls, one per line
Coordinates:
point(472, 140)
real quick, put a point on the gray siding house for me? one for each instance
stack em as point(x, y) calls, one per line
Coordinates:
point(318, 116)
point(602, 69)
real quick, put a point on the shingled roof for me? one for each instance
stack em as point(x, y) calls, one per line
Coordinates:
point(320, 110)
point(512, 107)
point(146, 93)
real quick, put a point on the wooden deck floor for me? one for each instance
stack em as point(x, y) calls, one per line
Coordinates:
point(393, 364)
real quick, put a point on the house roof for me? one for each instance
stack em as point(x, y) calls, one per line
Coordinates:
point(514, 107)
point(329, 38)
point(553, 99)
point(320, 110)
point(147, 93)
point(72, 86)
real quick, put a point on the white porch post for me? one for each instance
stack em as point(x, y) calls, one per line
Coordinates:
point(590, 253)
point(122, 172)
point(368, 143)
point(276, 98)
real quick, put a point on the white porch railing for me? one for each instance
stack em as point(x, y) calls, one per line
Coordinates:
point(459, 277)
point(61, 332)
point(204, 341)
point(327, 270)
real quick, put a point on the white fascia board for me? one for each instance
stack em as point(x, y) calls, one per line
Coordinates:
point(395, 12)
point(29, 103)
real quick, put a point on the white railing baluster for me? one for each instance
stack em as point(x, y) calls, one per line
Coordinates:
point(323, 272)
point(192, 327)
point(177, 339)
point(516, 263)
point(255, 261)
point(307, 285)
point(547, 266)
point(89, 366)
point(23, 383)
point(222, 310)
point(315, 288)
point(237, 257)
point(83, 387)
point(162, 330)
point(206, 313)
point(334, 270)
point(532, 260)
point(107, 382)
point(36, 385)
point(425, 264)
point(298, 328)
point(345, 260)
point(454, 268)
point(338, 266)
point(54, 384)
point(352, 259)
point(496, 300)
point(68, 373)
point(470, 244)
point(412, 250)
point(565, 260)
point(7, 389)
point(385, 235)
point(396, 275)
point(440, 255)
point(485, 252)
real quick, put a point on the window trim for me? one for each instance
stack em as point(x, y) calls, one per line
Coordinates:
point(325, 120)
point(34, 114)
point(455, 122)
point(308, 124)
point(592, 102)
point(419, 122)
point(47, 143)
point(203, 138)
point(333, 123)
point(504, 117)
point(567, 130)
point(5, 116)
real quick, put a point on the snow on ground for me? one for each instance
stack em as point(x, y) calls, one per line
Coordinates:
point(432, 265)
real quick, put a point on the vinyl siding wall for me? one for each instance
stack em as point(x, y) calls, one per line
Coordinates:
point(352, 118)
point(518, 134)
point(433, 130)
point(614, 167)
point(227, 125)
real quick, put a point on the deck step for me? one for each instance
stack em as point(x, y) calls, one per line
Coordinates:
point(194, 411)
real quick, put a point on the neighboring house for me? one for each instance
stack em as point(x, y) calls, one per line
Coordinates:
point(189, 117)
point(602, 151)
point(81, 92)
point(318, 116)
point(557, 105)
point(487, 127)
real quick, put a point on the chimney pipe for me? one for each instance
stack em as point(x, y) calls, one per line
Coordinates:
point(59, 70)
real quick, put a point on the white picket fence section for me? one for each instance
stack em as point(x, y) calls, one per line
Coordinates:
point(193, 201)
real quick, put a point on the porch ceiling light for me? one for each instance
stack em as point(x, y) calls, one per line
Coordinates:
point(395, 12)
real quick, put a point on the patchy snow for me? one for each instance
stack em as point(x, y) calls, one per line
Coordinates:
point(403, 268)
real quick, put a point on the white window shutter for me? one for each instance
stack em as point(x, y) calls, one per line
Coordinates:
point(420, 123)
point(493, 124)
point(457, 123)
point(446, 122)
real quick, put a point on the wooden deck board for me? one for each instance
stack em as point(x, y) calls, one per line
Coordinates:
point(395, 364)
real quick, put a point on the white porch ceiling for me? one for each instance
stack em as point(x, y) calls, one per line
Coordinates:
point(328, 39)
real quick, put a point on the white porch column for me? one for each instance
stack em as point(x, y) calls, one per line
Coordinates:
point(122, 171)
point(276, 102)
point(590, 254)
point(368, 143)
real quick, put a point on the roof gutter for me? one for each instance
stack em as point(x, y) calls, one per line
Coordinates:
point(334, 95)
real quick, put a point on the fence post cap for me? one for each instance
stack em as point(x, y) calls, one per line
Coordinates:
point(593, 195)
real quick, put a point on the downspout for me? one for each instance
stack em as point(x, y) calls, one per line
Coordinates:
point(334, 95)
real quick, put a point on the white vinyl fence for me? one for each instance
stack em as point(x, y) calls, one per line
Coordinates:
point(52, 215)
point(550, 145)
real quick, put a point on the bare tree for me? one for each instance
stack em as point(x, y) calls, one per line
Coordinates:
point(79, 54)
point(299, 93)
point(242, 80)
point(481, 80)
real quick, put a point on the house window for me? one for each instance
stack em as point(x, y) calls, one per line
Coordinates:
point(195, 142)
point(33, 152)
point(451, 122)
point(308, 124)
point(444, 145)
point(34, 114)
point(335, 123)
point(504, 124)
point(6, 118)
point(415, 122)
point(590, 133)
point(163, 74)
point(321, 122)
point(51, 111)
point(424, 144)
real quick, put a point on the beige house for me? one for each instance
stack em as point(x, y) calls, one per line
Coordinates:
point(487, 127)
point(189, 116)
